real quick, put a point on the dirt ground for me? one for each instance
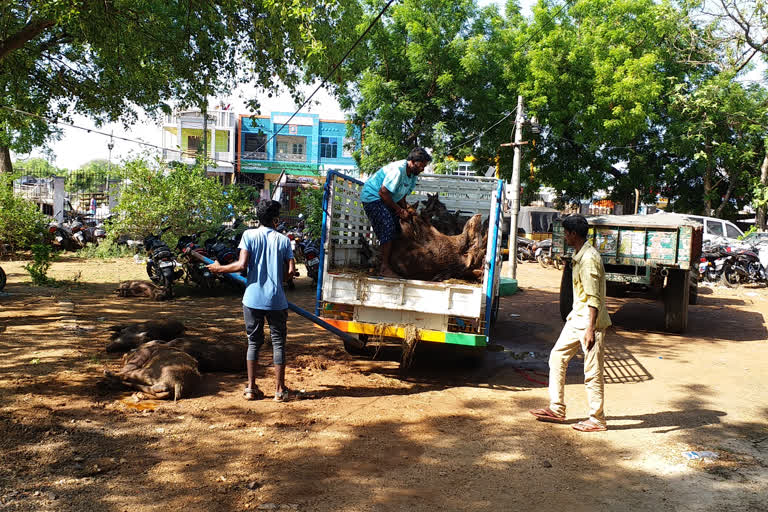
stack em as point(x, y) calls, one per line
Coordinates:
point(454, 434)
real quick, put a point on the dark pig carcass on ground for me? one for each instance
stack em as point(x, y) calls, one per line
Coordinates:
point(157, 370)
point(214, 356)
point(126, 337)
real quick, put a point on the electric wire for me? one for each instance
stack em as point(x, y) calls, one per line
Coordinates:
point(99, 132)
point(486, 130)
point(330, 74)
point(309, 98)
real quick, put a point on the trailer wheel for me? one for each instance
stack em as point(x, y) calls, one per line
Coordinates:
point(566, 290)
point(676, 297)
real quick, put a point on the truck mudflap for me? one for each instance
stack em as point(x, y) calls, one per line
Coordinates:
point(452, 338)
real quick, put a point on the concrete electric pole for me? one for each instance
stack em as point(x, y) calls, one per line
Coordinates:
point(515, 186)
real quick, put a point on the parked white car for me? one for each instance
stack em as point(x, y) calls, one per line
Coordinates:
point(715, 230)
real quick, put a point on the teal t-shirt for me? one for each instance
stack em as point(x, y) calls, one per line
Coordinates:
point(268, 250)
point(394, 177)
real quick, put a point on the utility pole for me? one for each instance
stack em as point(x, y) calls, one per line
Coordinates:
point(515, 185)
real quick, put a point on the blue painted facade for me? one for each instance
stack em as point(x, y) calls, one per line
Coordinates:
point(307, 145)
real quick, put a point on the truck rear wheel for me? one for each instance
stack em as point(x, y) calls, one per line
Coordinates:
point(566, 290)
point(676, 297)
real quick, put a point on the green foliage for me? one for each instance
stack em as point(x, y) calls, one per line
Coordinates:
point(108, 60)
point(752, 229)
point(39, 167)
point(311, 203)
point(427, 75)
point(21, 222)
point(179, 197)
point(41, 261)
point(107, 249)
point(92, 177)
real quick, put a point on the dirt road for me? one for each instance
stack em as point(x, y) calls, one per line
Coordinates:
point(454, 435)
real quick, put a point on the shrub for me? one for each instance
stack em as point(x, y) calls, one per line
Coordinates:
point(41, 262)
point(179, 197)
point(21, 222)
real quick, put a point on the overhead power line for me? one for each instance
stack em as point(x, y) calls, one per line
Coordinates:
point(330, 74)
point(524, 43)
point(98, 132)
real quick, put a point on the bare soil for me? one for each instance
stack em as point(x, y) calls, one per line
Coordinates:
point(452, 434)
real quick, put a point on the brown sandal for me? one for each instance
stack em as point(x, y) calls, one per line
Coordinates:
point(588, 426)
point(547, 415)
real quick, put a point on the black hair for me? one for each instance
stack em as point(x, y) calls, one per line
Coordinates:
point(267, 212)
point(418, 154)
point(576, 224)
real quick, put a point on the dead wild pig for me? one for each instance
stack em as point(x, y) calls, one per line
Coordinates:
point(129, 336)
point(142, 289)
point(436, 213)
point(214, 357)
point(158, 370)
point(422, 252)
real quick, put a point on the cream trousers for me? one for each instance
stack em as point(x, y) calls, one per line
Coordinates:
point(571, 338)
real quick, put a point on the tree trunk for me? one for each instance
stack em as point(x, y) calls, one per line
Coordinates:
point(5, 160)
point(763, 181)
point(731, 186)
point(708, 186)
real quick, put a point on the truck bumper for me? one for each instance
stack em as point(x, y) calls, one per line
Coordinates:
point(452, 338)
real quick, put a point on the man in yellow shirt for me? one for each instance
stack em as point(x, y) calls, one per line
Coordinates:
point(585, 327)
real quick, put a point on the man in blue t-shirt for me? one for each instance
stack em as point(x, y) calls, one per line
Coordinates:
point(264, 252)
point(383, 197)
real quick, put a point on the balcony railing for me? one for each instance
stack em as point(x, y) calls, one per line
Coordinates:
point(224, 119)
point(291, 157)
point(253, 155)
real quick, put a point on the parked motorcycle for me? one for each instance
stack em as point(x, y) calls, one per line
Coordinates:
point(310, 253)
point(712, 263)
point(161, 264)
point(61, 236)
point(542, 251)
point(194, 269)
point(746, 266)
point(525, 249)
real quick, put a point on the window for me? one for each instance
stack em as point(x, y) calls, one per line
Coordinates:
point(291, 148)
point(329, 147)
point(255, 142)
point(715, 227)
point(194, 142)
point(732, 231)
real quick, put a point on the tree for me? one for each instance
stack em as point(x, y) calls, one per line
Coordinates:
point(178, 197)
point(426, 76)
point(22, 224)
point(108, 60)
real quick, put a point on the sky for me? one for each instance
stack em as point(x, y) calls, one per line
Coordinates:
point(77, 147)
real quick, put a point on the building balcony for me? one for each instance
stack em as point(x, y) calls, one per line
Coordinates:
point(290, 157)
point(220, 120)
point(223, 160)
point(253, 155)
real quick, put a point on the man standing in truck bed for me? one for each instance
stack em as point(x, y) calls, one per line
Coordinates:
point(383, 197)
point(585, 327)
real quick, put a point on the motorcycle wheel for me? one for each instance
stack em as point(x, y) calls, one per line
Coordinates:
point(556, 263)
point(730, 278)
point(3, 278)
point(154, 273)
point(543, 261)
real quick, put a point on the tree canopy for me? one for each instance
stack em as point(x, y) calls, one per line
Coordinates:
point(630, 94)
point(109, 60)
